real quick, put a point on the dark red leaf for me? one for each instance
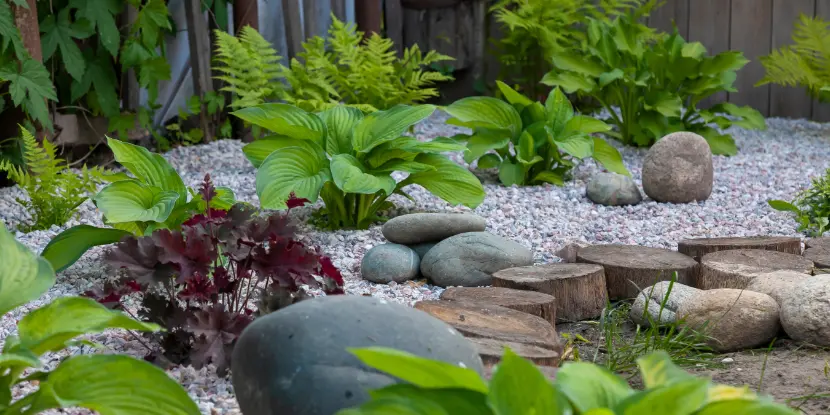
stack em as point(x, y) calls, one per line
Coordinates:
point(293, 201)
point(192, 253)
point(140, 258)
point(207, 190)
point(198, 288)
point(215, 330)
point(214, 216)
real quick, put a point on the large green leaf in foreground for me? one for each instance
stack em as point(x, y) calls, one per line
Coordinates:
point(23, 276)
point(64, 249)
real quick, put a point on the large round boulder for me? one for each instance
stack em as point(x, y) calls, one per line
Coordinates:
point(470, 259)
point(295, 362)
point(678, 169)
point(612, 189)
point(416, 228)
point(390, 262)
point(805, 310)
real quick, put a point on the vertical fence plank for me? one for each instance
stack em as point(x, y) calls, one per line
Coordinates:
point(442, 30)
point(415, 28)
point(368, 16)
point(393, 24)
point(709, 25)
point(676, 11)
point(338, 7)
point(751, 32)
point(821, 110)
point(293, 27)
point(792, 102)
point(317, 16)
point(199, 42)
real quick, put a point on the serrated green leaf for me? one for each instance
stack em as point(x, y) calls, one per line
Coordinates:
point(723, 62)
point(291, 169)
point(694, 50)
point(486, 112)
point(351, 176)
point(112, 385)
point(585, 125)
point(750, 118)
point(23, 276)
point(59, 33)
point(9, 33)
point(101, 13)
point(257, 151)
point(150, 168)
point(133, 53)
point(720, 144)
point(132, 201)
point(340, 123)
point(608, 156)
point(152, 18)
point(382, 126)
point(518, 387)
point(663, 102)
point(29, 87)
point(99, 75)
point(65, 248)
point(449, 181)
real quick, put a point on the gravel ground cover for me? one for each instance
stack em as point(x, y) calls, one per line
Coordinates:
point(771, 164)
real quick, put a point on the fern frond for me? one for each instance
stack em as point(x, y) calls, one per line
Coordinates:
point(250, 67)
point(806, 62)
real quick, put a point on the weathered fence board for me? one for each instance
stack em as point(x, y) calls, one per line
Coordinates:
point(677, 12)
point(709, 25)
point(751, 33)
point(821, 111)
point(785, 101)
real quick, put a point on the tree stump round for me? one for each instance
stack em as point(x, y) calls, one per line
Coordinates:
point(738, 267)
point(819, 256)
point(535, 303)
point(697, 248)
point(822, 242)
point(493, 322)
point(630, 268)
point(578, 289)
point(491, 352)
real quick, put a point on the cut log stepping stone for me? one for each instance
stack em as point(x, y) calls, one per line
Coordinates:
point(630, 268)
point(537, 304)
point(698, 247)
point(738, 267)
point(493, 322)
point(491, 352)
point(823, 242)
point(579, 290)
point(820, 257)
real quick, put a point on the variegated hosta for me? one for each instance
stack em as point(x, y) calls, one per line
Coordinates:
point(347, 159)
point(529, 142)
point(154, 198)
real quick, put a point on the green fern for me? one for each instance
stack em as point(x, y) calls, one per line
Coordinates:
point(250, 67)
point(54, 191)
point(805, 63)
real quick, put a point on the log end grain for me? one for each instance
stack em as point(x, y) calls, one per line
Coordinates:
point(535, 303)
point(698, 247)
point(491, 352)
point(737, 268)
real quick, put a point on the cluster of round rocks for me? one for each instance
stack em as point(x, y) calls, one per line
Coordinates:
point(677, 169)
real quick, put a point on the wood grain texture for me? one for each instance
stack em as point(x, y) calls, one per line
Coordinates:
point(199, 42)
point(738, 267)
point(698, 247)
point(316, 18)
point(821, 110)
point(790, 102)
point(751, 33)
point(491, 352)
point(393, 23)
point(293, 27)
point(531, 302)
point(676, 11)
point(709, 22)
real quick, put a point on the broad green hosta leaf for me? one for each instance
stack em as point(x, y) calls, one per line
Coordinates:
point(257, 151)
point(750, 117)
point(578, 63)
point(486, 112)
point(784, 206)
point(49, 328)
point(384, 126)
point(526, 151)
point(578, 145)
point(681, 398)
point(518, 387)
point(489, 161)
point(589, 386)
point(611, 76)
point(23, 276)
point(64, 249)
point(720, 144)
point(405, 399)
point(723, 62)
point(132, 201)
point(746, 407)
point(407, 166)
point(510, 174)
point(694, 50)
point(608, 156)
point(112, 385)
point(291, 169)
point(585, 125)
point(340, 123)
point(515, 99)
point(20, 359)
point(657, 370)
point(533, 114)
point(569, 82)
point(663, 102)
point(351, 177)
point(449, 181)
point(484, 141)
point(287, 120)
point(148, 167)
point(559, 111)
point(418, 371)
point(548, 176)
point(224, 198)
point(437, 145)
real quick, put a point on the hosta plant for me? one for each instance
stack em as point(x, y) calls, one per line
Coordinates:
point(104, 383)
point(519, 388)
point(155, 197)
point(651, 83)
point(806, 62)
point(200, 282)
point(347, 159)
point(531, 142)
point(811, 206)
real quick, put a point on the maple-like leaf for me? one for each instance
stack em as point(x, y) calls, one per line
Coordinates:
point(9, 33)
point(29, 87)
point(59, 33)
point(293, 201)
point(329, 271)
point(289, 264)
point(101, 15)
point(198, 288)
point(215, 330)
point(191, 252)
point(140, 258)
point(99, 75)
point(152, 71)
point(152, 18)
point(133, 53)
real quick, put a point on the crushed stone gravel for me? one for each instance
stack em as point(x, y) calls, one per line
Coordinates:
point(771, 164)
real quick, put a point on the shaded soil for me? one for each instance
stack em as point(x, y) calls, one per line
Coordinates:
point(795, 374)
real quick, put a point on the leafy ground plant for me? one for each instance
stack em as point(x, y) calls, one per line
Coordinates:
point(154, 198)
point(347, 159)
point(107, 384)
point(806, 62)
point(652, 82)
point(518, 388)
point(54, 192)
point(811, 206)
point(197, 282)
point(529, 142)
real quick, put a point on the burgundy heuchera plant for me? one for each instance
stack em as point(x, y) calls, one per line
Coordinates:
point(198, 282)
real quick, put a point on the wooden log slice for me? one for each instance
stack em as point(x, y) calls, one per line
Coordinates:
point(492, 350)
point(537, 304)
point(493, 322)
point(822, 242)
point(820, 257)
point(738, 267)
point(578, 289)
point(630, 268)
point(698, 247)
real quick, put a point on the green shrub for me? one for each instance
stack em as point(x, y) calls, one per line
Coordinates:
point(547, 140)
point(154, 198)
point(534, 30)
point(652, 81)
point(347, 159)
point(811, 206)
point(107, 384)
point(342, 68)
point(806, 62)
point(54, 191)
point(519, 388)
